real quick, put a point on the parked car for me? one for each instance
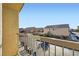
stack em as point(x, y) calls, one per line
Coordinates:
point(74, 37)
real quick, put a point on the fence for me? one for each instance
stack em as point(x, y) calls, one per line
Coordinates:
point(57, 47)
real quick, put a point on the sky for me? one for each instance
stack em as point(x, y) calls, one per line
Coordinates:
point(43, 14)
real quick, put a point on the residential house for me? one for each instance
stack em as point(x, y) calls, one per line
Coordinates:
point(59, 30)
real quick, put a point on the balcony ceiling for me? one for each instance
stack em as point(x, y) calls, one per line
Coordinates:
point(15, 6)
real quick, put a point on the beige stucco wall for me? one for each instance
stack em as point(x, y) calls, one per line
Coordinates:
point(0, 29)
point(60, 31)
point(57, 31)
point(10, 30)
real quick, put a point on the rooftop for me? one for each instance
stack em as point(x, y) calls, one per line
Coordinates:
point(58, 26)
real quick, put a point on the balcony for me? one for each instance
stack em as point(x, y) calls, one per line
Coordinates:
point(56, 47)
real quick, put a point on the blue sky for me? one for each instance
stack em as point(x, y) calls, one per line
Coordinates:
point(43, 14)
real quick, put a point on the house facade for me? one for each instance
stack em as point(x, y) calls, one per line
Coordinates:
point(59, 30)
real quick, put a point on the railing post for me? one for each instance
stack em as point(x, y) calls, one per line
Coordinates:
point(73, 52)
point(62, 51)
point(44, 48)
point(55, 50)
point(49, 49)
point(40, 46)
point(31, 40)
point(36, 47)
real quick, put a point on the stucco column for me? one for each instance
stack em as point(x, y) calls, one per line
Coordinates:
point(0, 29)
point(10, 29)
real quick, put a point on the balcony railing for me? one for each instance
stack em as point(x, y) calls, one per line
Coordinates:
point(57, 47)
